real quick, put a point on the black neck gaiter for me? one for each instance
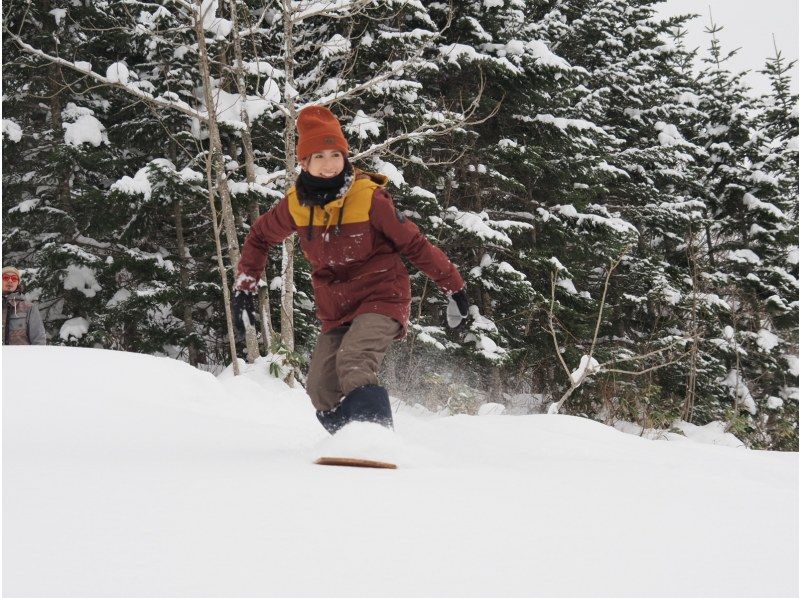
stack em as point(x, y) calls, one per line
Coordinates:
point(317, 191)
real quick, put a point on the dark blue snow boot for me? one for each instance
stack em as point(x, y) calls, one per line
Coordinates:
point(368, 403)
point(333, 420)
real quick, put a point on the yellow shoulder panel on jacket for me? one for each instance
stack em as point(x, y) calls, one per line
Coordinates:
point(356, 205)
point(358, 202)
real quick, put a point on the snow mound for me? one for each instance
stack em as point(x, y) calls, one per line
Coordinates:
point(132, 475)
point(363, 440)
point(711, 433)
point(491, 409)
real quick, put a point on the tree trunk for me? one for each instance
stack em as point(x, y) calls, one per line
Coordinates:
point(691, 383)
point(185, 302)
point(54, 79)
point(290, 146)
point(250, 168)
point(495, 379)
point(217, 167)
point(217, 160)
point(226, 297)
point(710, 246)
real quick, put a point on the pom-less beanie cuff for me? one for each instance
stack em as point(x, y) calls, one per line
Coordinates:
point(319, 130)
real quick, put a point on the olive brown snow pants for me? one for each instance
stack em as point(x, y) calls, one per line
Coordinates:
point(348, 357)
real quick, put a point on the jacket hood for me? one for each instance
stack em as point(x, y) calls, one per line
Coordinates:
point(377, 177)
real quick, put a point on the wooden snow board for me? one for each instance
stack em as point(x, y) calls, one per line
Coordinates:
point(350, 462)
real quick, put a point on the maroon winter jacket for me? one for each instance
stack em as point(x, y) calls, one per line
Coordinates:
point(354, 246)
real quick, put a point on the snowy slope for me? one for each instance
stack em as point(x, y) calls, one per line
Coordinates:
point(128, 476)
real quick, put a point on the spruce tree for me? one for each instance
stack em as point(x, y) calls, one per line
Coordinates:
point(741, 243)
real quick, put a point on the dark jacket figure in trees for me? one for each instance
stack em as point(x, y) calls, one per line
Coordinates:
point(22, 322)
point(353, 237)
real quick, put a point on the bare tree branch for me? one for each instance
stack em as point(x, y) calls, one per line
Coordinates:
point(550, 317)
point(603, 299)
point(680, 341)
point(335, 9)
point(134, 91)
point(436, 129)
point(591, 367)
point(605, 370)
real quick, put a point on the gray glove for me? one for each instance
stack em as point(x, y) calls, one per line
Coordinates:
point(457, 308)
point(244, 306)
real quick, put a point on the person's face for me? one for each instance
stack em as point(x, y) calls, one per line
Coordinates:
point(10, 283)
point(325, 164)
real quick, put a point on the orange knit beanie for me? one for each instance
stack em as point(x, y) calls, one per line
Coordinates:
point(319, 130)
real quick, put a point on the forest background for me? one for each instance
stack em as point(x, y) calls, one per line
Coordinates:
point(626, 222)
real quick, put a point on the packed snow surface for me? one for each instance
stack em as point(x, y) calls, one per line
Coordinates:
point(363, 440)
point(130, 475)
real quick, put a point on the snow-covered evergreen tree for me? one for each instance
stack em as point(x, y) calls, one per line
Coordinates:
point(622, 186)
point(739, 280)
point(56, 166)
point(565, 153)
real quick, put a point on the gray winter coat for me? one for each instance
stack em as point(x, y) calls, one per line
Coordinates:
point(22, 322)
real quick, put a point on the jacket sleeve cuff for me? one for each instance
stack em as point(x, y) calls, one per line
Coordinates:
point(245, 282)
point(453, 284)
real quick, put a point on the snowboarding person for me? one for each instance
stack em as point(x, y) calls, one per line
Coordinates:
point(22, 322)
point(353, 237)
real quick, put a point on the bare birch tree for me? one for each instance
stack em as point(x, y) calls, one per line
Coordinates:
point(589, 366)
point(218, 182)
point(311, 17)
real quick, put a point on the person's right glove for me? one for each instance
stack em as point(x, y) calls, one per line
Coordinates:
point(244, 306)
point(457, 308)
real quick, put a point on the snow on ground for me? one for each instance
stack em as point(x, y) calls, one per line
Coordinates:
point(129, 475)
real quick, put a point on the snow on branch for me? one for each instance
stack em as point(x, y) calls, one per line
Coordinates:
point(115, 82)
point(396, 67)
point(445, 124)
point(207, 11)
point(12, 130)
point(566, 123)
point(478, 225)
point(618, 225)
point(340, 9)
point(455, 52)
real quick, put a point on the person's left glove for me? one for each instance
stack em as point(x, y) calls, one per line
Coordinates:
point(244, 306)
point(457, 308)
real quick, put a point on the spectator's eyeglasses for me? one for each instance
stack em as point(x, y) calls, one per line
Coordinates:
point(10, 277)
